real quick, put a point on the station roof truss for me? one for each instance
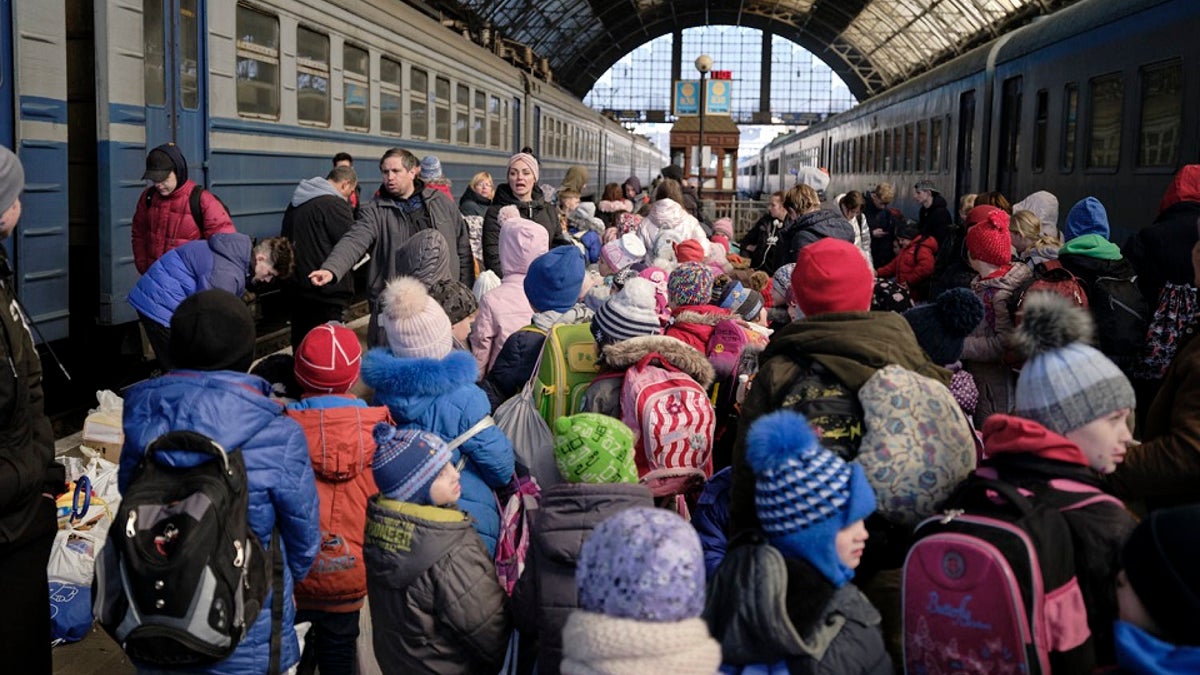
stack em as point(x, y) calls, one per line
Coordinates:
point(871, 44)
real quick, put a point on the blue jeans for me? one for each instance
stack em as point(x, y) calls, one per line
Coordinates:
point(330, 641)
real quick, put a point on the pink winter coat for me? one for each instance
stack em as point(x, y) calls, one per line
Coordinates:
point(505, 309)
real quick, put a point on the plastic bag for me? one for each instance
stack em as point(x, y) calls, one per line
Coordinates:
point(72, 563)
point(533, 445)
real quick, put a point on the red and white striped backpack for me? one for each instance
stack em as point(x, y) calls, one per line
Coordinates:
point(672, 421)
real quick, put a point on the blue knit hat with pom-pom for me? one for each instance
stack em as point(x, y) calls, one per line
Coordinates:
point(644, 564)
point(942, 326)
point(406, 462)
point(804, 493)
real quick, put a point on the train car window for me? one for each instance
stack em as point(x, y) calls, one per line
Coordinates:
point(922, 144)
point(1161, 122)
point(356, 68)
point(1040, 121)
point(773, 167)
point(965, 160)
point(1010, 135)
point(880, 140)
point(441, 117)
point(462, 115)
point(908, 147)
point(257, 64)
point(478, 113)
point(887, 150)
point(935, 145)
point(154, 81)
point(189, 47)
point(1070, 127)
point(312, 77)
point(391, 112)
point(494, 121)
point(418, 103)
point(1104, 121)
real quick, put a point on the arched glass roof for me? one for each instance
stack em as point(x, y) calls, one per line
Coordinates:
point(871, 44)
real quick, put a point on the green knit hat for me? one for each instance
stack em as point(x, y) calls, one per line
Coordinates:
point(593, 448)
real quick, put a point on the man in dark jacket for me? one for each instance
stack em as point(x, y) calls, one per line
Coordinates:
point(762, 241)
point(315, 220)
point(29, 477)
point(934, 217)
point(402, 207)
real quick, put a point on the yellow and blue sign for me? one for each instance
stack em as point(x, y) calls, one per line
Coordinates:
point(686, 100)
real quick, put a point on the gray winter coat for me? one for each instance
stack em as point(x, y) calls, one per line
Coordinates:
point(436, 604)
point(546, 593)
point(748, 612)
point(812, 227)
point(384, 225)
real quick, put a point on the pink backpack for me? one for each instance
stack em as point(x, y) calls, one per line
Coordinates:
point(990, 585)
point(725, 347)
point(672, 422)
point(513, 543)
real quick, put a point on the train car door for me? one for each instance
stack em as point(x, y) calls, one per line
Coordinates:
point(966, 145)
point(176, 87)
point(6, 73)
point(1010, 136)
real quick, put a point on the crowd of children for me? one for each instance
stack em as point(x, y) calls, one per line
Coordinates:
point(715, 505)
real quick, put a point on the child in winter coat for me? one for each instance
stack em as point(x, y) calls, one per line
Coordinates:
point(689, 292)
point(1068, 431)
point(794, 598)
point(585, 229)
point(340, 446)
point(1158, 596)
point(913, 265)
point(640, 578)
point(989, 246)
point(505, 309)
point(552, 286)
point(941, 327)
point(427, 385)
point(595, 457)
point(436, 604)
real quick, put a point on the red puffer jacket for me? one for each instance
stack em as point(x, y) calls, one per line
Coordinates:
point(913, 265)
point(340, 447)
point(167, 223)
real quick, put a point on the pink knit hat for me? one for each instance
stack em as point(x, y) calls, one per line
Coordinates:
point(527, 160)
point(415, 324)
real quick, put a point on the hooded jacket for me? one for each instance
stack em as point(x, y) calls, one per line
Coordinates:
point(505, 310)
point(221, 261)
point(985, 350)
point(935, 220)
point(437, 607)
point(1140, 653)
point(607, 211)
point(765, 607)
point(913, 267)
point(762, 243)
point(26, 439)
point(1086, 217)
point(1045, 206)
point(851, 346)
point(668, 222)
point(536, 209)
point(515, 363)
point(1021, 451)
point(694, 325)
point(546, 593)
point(440, 396)
point(425, 256)
point(383, 225)
point(233, 409)
point(162, 223)
point(576, 179)
point(1162, 252)
point(340, 448)
point(471, 203)
point(315, 220)
point(603, 395)
point(814, 226)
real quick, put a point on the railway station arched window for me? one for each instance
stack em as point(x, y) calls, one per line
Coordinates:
point(1161, 121)
point(418, 103)
point(356, 69)
point(312, 77)
point(1104, 124)
point(257, 64)
point(391, 113)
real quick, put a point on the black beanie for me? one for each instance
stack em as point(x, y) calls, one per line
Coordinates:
point(1160, 562)
point(212, 330)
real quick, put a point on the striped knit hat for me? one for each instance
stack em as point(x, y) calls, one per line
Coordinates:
point(406, 462)
point(628, 313)
point(1065, 383)
point(804, 493)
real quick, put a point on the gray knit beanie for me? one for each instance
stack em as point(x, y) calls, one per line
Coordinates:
point(1065, 383)
point(12, 178)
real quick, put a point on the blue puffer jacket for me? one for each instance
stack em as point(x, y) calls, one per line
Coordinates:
point(221, 261)
point(233, 409)
point(711, 517)
point(441, 396)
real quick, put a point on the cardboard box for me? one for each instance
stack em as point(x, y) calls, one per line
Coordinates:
point(102, 432)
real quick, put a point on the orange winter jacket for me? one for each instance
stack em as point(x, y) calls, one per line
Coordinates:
point(340, 447)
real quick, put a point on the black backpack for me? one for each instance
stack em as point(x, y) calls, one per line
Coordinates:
point(831, 407)
point(1122, 317)
point(183, 577)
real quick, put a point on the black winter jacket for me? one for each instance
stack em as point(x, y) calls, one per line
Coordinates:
point(471, 204)
point(314, 226)
point(536, 210)
point(812, 227)
point(935, 220)
point(1161, 253)
point(27, 466)
point(762, 242)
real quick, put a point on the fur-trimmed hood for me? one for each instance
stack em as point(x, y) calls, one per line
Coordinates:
point(621, 355)
point(703, 318)
point(385, 372)
point(614, 206)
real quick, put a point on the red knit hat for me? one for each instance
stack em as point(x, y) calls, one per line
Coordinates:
point(831, 275)
point(689, 250)
point(988, 239)
point(327, 360)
